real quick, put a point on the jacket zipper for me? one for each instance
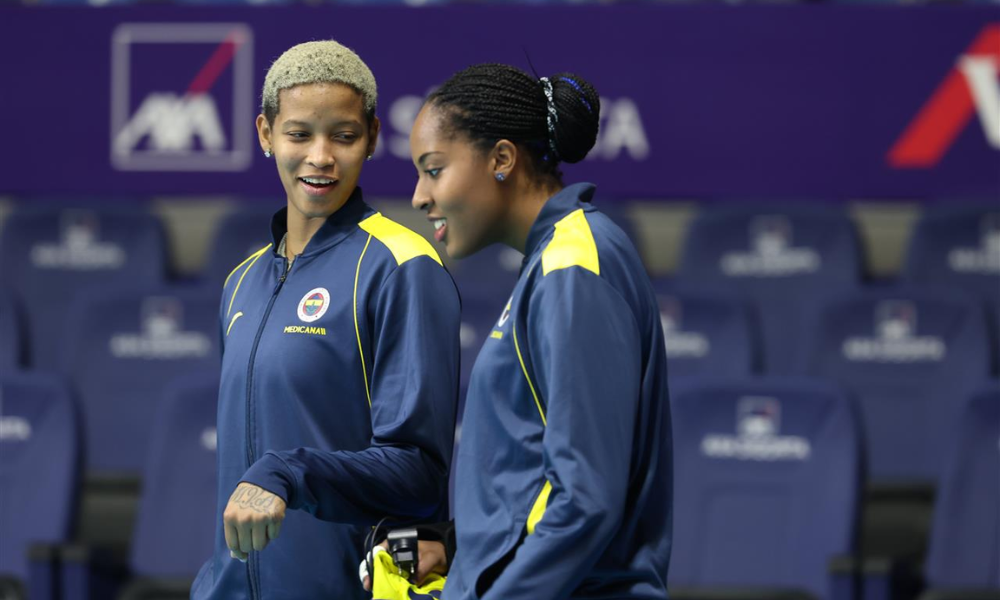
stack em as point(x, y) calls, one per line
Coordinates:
point(251, 454)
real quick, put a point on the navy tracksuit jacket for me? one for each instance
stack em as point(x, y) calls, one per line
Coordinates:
point(564, 469)
point(338, 394)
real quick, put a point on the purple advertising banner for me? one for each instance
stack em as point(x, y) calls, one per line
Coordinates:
point(819, 101)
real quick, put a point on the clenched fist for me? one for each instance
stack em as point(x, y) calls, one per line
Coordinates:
point(252, 519)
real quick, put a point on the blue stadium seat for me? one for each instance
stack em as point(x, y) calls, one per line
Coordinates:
point(480, 312)
point(49, 255)
point(910, 355)
point(768, 476)
point(238, 235)
point(124, 347)
point(489, 273)
point(176, 521)
point(782, 260)
point(958, 247)
point(706, 333)
point(964, 548)
point(39, 470)
point(11, 334)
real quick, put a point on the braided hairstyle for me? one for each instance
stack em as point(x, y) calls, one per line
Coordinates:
point(491, 102)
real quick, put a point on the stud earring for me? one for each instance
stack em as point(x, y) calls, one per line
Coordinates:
point(267, 154)
point(369, 157)
point(500, 176)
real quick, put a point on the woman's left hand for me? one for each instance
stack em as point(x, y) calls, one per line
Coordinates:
point(252, 519)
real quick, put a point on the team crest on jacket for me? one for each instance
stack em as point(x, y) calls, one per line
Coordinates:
point(313, 305)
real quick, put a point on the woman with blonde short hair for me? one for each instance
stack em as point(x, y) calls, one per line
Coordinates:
point(340, 355)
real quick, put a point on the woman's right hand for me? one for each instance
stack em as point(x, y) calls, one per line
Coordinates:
point(432, 558)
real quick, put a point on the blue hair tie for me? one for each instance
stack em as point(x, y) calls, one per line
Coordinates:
point(583, 97)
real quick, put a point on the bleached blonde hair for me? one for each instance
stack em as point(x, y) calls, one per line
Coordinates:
point(318, 62)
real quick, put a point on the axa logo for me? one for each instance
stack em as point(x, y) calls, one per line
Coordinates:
point(896, 339)
point(758, 435)
point(79, 247)
point(182, 97)
point(970, 89)
point(772, 253)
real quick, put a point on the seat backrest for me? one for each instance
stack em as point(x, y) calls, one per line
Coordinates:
point(959, 248)
point(175, 526)
point(964, 550)
point(705, 333)
point(39, 465)
point(489, 273)
point(237, 235)
point(124, 347)
point(49, 255)
point(909, 355)
point(11, 331)
point(768, 477)
point(782, 260)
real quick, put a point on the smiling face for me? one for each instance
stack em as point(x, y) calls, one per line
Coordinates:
point(320, 139)
point(455, 186)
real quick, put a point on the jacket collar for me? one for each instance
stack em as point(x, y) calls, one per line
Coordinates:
point(338, 226)
point(565, 201)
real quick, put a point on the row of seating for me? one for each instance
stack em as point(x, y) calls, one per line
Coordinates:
point(769, 476)
point(783, 260)
point(907, 353)
point(40, 486)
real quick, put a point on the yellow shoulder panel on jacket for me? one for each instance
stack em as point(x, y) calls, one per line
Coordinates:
point(572, 245)
point(402, 242)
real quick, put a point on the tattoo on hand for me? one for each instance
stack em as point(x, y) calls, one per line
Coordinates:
point(254, 498)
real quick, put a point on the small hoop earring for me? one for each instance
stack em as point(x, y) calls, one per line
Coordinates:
point(267, 154)
point(500, 176)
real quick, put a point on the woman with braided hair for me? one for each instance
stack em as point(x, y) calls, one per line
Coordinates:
point(563, 480)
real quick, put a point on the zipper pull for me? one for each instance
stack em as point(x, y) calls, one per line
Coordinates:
point(284, 272)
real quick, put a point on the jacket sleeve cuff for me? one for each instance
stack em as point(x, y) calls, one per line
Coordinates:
point(272, 474)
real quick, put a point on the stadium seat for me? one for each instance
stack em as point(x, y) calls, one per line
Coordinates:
point(124, 347)
point(480, 313)
point(706, 333)
point(964, 551)
point(782, 260)
point(957, 247)
point(39, 469)
point(49, 255)
point(11, 334)
point(175, 528)
point(238, 235)
point(910, 355)
point(768, 476)
point(489, 273)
